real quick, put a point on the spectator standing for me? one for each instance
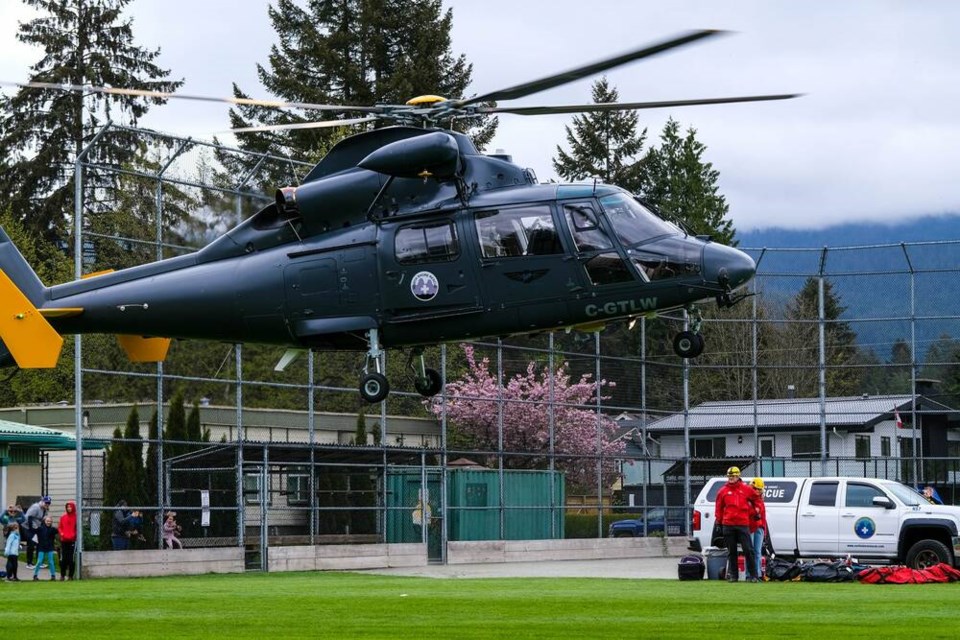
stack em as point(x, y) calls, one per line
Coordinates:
point(12, 551)
point(33, 520)
point(13, 514)
point(758, 526)
point(120, 535)
point(46, 545)
point(68, 540)
point(735, 508)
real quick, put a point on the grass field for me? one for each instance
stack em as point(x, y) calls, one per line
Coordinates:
point(349, 605)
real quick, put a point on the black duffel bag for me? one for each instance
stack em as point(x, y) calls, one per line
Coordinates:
point(781, 570)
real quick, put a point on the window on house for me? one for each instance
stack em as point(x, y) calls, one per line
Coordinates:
point(807, 445)
point(252, 489)
point(708, 447)
point(885, 446)
point(298, 489)
point(861, 445)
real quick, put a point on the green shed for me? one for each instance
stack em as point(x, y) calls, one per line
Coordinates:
point(473, 506)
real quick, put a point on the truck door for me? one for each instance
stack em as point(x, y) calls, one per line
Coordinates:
point(866, 528)
point(818, 519)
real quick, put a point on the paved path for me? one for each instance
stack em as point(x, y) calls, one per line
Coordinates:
point(663, 568)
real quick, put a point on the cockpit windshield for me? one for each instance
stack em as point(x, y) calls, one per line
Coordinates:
point(634, 223)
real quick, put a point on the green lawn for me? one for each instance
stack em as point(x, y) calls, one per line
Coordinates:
point(347, 605)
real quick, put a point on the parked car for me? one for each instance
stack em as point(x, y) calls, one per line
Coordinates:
point(657, 521)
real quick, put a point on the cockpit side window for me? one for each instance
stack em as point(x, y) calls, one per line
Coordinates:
point(523, 231)
point(586, 232)
point(426, 243)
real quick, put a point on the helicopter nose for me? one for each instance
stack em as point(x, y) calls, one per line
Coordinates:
point(727, 266)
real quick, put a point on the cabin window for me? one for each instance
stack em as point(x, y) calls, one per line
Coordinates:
point(885, 446)
point(823, 494)
point(426, 243)
point(524, 231)
point(587, 234)
point(607, 268)
point(861, 445)
point(861, 495)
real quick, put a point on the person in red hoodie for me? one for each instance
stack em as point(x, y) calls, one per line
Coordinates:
point(68, 541)
point(736, 507)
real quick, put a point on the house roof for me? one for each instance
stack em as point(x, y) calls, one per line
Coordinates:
point(851, 413)
point(40, 437)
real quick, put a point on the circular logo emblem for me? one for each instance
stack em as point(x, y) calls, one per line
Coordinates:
point(424, 286)
point(864, 528)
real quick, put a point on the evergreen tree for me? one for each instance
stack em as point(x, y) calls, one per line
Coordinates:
point(114, 485)
point(676, 179)
point(135, 481)
point(42, 131)
point(360, 436)
point(796, 356)
point(194, 434)
point(352, 52)
point(152, 473)
point(603, 143)
point(175, 430)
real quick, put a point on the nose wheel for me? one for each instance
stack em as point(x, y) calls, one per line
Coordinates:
point(373, 384)
point(688, 344)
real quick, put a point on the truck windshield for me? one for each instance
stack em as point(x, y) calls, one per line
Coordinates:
point(905, 494)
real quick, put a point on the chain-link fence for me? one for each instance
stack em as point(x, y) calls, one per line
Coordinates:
point(879, 322)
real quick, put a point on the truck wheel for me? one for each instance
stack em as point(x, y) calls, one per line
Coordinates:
point(927, 553)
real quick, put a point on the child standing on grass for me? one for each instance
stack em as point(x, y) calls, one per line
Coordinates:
point(12, 551)
point(46, 537)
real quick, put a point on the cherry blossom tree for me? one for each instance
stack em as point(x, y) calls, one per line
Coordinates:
point(580, 433)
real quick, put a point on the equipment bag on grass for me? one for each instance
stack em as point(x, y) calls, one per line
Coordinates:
point(691, 568)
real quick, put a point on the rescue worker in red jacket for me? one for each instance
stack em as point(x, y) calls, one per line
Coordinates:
point(758, 526)
point(735, 510)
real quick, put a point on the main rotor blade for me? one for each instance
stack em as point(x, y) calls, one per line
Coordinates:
point(623, 106)
point(594, 68)
point(319, 124)
point(164, 95)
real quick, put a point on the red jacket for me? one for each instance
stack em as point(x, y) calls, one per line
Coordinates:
point(68, 523)
point(761, 521)
point(735, 504)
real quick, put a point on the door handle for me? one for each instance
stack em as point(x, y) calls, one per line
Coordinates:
point(848, 515)
point(807, 515)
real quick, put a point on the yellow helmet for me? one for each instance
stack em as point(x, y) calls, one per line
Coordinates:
point(757, 483)
point(733, 471)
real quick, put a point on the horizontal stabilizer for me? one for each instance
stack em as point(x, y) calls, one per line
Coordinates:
point(140, 349)
point(32, 342)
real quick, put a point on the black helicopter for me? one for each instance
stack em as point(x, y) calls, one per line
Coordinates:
point(402, 236)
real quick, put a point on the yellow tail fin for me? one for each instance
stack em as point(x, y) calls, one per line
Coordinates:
point(32, 342)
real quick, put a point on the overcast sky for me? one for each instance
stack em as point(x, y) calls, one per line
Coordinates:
point(876, 137)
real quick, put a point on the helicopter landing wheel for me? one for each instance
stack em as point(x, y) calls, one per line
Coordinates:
point(374, 387)
point(688, 344)
point(429, 384)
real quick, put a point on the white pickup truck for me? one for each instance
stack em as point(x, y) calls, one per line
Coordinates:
point(834, 517)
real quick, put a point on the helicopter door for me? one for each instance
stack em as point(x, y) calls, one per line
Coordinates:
point(601, 262)
point(426, 272)
point(526, 272)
